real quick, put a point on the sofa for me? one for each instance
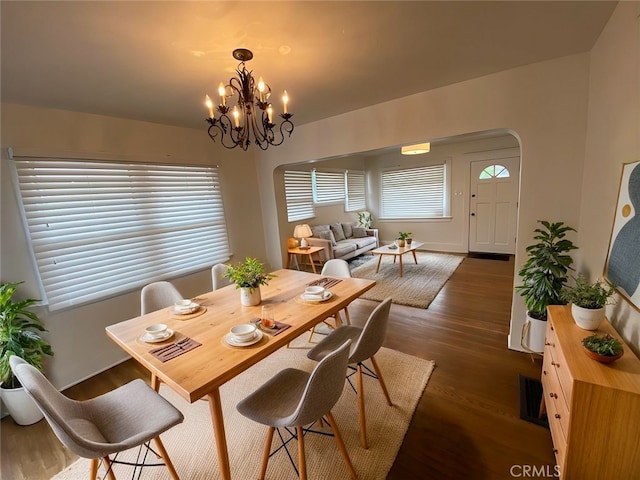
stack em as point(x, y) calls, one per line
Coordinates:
point(343, 240)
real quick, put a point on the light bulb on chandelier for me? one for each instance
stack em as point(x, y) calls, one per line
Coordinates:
point(252, 102)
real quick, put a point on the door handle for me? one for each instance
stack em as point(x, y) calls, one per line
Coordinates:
point(473, 214)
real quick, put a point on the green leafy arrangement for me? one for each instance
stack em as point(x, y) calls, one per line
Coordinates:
point(248, 274)
point(544, 274)
point(364, 219)
point(403, 235)
point(19, 335)
point(604, 345)
point(588, 295)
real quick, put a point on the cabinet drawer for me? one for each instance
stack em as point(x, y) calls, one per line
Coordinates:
point(557, 408)
point(558, 362)
point(557, 435)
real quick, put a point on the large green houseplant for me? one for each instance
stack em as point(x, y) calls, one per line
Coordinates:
point(19, 335)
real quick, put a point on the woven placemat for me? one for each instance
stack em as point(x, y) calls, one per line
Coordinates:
point(188, 316)
point(278, 329)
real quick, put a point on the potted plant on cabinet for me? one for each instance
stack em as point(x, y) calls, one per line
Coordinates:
point(248, 276)
point(602, 348)
point(19, 335)
point(402, 237)
point(588, 301)
point(543, 276)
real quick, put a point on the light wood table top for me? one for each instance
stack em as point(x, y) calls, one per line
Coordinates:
point(201, 371)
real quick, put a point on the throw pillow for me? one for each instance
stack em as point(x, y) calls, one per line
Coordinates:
point(338, 233)
point(347, 228)
point(359, 232)
point(327, 235)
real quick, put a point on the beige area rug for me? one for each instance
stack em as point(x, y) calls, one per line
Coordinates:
point(419, 283)
point(192, 448)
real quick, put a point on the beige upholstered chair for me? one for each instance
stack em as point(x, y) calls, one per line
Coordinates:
point(295, 398)
point(366, 341)
point(106, 425)
point(218, 280)
point(158, 295)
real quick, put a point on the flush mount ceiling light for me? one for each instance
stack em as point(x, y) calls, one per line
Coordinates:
point(416, 149)
point(252, 113)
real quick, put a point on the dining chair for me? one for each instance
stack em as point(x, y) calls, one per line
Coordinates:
point(158, 295)
point(294, 399)
point(365, 343)
point(129, 416)
point(218, 280)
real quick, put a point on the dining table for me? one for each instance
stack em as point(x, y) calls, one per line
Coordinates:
point(200, 372)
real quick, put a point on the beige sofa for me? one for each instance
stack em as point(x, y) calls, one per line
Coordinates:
point(343, 240)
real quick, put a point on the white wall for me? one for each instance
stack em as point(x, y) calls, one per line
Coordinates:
point(77, 335)
point(613, 138)
point(544, 105)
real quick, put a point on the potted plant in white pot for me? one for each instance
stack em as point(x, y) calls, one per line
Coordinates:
point(588, 301)
point(543, 276)
point(248, 276)
point(19, 335)
point(402, 238)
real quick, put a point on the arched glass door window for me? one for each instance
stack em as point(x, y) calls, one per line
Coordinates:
point(494, 171)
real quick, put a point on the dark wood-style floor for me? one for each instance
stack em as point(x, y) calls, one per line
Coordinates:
point(466, 425)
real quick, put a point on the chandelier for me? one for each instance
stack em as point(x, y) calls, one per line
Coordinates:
point(251, 118)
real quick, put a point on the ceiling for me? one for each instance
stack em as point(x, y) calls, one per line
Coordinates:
point(154, 61)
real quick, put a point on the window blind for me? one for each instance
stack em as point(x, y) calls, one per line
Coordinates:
point(101, 228)
point(356, 198)
point(299, 195)
point(413, 192)
point(328, 187)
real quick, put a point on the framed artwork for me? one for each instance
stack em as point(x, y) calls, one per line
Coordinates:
point(623, 259)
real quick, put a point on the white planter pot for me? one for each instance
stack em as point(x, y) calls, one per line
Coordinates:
point(20, 406)
point(587, 318)
point(248, 298)
point(535, 330)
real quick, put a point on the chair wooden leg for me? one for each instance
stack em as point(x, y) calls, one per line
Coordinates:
point(341, 447)
point(311, 332)
point(382, 384)
point(346, 315)
point(302, 462)
point(363, 421)
point(165, 457)
point(93, 469)
point(109, 467)
point(267, 452)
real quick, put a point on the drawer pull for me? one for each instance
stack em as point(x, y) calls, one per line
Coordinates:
point(544, 372)
point(549, 344)
point(553, 395)
point(555, 451)
point(555, 364)
point(557, 415)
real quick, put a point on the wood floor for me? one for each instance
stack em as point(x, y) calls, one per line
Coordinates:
point(466, 425)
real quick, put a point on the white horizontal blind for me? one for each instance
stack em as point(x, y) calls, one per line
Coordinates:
point(413, 192)
point(356, 199)
point(102, 228)
point(328, 187)
point(299, 195)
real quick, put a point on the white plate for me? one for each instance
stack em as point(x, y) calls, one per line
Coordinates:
point(186, 310)
point(315, 299)
point(152, 339)
point(235, 343)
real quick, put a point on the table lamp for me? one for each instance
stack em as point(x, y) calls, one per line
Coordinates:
point(303, 232)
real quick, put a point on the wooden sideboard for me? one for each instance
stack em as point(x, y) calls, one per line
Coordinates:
point(593, 408)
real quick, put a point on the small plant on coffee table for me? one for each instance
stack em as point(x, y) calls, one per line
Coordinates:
point(402, 237)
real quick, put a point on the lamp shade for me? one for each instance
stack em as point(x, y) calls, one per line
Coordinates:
point(302, 231)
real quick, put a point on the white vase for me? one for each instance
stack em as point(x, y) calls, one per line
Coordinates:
point(248, 298)
point(20, 406)
point(535, 333)
point(587, 318)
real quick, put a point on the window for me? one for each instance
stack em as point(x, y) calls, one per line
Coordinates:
point(100, 228)
point(356, 197)
point(494, 171)
point(414, 192)
point(328, 187)
point(299, 195)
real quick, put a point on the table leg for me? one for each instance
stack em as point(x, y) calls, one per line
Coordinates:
point(288, 260)
point(313, 264)
point(379, 260)
point(400, 257)
point(215, 407)
point(414, 256)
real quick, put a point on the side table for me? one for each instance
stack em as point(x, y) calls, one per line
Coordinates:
point(292, 252)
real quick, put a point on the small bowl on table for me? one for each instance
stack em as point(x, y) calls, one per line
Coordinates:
point(244, 332)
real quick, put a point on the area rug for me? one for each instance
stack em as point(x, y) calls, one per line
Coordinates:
point(191, 445)
point(419, 283)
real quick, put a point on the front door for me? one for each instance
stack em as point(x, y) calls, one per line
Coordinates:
point(493, 205)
